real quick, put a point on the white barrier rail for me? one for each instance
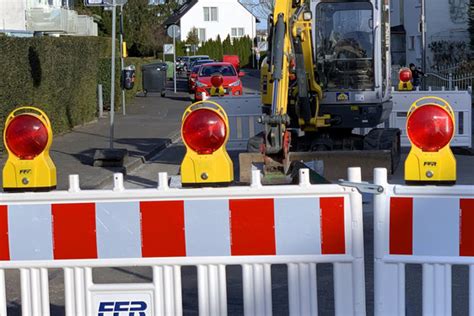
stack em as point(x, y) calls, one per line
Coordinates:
point(428, 225)
point(254, 227)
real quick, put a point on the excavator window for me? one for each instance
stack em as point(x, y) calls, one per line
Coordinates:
point(345, 45)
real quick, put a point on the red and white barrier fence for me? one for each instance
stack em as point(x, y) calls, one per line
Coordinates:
point(430, 225)
point(254, 226)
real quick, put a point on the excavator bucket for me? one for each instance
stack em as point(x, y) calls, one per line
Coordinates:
point(334, 164)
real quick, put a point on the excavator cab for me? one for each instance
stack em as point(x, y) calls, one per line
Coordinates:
point(352, 56)
point(325, 81)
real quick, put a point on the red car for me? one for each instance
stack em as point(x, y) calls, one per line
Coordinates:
point(192, 78)
point(216, 77)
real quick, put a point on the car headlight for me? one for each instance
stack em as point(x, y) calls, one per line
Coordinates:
point(200, 84)
point(235, 84)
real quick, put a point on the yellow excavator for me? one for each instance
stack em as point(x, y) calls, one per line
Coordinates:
point(326, 75)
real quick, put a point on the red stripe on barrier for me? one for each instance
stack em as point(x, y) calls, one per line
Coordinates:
point(401, 226)
point(466, 247)
point(4, 244)
point(332, 225)
point(163, 233)
point(252, 225)
point(74, 231)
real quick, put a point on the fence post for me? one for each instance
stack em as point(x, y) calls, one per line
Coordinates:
point(450, 81)
point(100, 100)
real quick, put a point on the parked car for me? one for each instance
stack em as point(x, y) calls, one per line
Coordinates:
point(218, 74)
point(191, 59)
point(233, 59)
point(197, 63)
point(192, 78)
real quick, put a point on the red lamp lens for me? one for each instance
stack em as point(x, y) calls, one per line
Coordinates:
point(204, 131)
point(26, 136)
point(217, 81)
point(405, 75)
point(430, 128)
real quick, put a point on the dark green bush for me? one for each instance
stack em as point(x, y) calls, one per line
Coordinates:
point(58, 75)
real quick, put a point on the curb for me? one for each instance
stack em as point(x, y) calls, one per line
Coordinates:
point(133, 163)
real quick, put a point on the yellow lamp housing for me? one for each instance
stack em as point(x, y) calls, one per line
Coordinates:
point(27, 137)
point(205, 131)
point(430, 128)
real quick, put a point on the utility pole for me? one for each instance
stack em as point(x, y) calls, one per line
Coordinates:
point(423, 35)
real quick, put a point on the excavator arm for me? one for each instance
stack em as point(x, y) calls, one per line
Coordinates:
point(290, 55)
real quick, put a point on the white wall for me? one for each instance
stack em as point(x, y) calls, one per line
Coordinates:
point(445, 20)
point(230, 14)
point(395, 16)
point(12, 15)
point(411, 21)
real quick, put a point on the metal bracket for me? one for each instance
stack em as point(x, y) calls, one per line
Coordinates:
point(363, 187)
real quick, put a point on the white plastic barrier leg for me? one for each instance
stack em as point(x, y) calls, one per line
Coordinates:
point(255, 227)
point(428, 225)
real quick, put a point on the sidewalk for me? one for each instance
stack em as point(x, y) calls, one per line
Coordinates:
point(150, 125)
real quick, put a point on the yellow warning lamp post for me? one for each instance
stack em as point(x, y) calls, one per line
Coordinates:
point(217, 88)
point(405, 77)
point(430, 128)
point(27, 137)
point(205, 131)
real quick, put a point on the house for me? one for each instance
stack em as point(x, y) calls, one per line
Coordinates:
point(214, 17)
point(446, 22)
point(27, 17)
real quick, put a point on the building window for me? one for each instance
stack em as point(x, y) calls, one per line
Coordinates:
point(210, 14)
point(411, 43)
point(202, 35)
point(237, 32)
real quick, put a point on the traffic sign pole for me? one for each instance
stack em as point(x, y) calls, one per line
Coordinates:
point(174, 31)
point(174, 59)
point(122, 61)
point(112, 73)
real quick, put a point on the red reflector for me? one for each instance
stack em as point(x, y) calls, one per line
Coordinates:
point(405, 75)
point(204, 131)
point(430, 128)
point(26, 136)
point(217, 81)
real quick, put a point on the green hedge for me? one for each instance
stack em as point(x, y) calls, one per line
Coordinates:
point(58, 75)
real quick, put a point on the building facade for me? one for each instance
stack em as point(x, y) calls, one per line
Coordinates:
point(446, 28)
point(27, 17)
point(214, 17)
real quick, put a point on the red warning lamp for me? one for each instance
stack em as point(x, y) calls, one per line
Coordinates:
point(405, 75)
point(26, 136)
point(204, 131)
point(430, 128)
point(217, 81)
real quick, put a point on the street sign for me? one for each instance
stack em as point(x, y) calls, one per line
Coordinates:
point(168, 49)
point(103, 3)
point(174, 31)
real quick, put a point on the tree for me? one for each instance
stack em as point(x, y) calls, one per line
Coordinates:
point(143, 24)
point(192, 38)
point(260, 8)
